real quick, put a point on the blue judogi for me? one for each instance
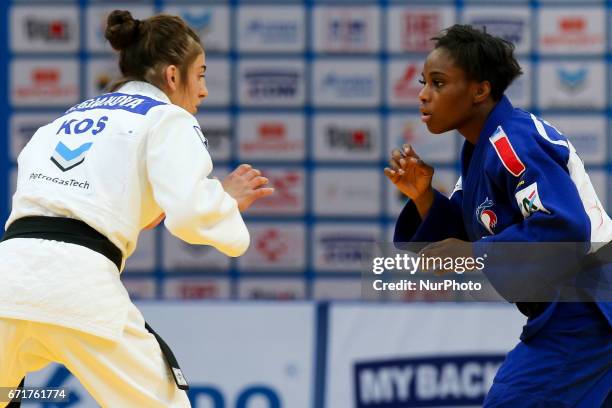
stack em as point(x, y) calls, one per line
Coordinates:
point(523, 182)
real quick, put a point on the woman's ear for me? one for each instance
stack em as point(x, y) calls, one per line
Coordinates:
point(483, 90)
point(171, 77)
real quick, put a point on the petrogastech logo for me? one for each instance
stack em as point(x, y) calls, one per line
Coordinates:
point(412, 263)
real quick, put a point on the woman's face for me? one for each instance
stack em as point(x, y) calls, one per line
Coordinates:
point(447, 95)
point(192, 90)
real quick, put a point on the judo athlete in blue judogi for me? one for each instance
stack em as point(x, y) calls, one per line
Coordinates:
point(521, 181)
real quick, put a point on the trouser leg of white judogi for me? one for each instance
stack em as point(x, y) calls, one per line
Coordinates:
point(131, 372)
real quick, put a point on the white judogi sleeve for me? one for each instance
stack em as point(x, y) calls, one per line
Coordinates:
point(198, 210)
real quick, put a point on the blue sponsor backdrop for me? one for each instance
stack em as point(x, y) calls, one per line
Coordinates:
point(321, 92)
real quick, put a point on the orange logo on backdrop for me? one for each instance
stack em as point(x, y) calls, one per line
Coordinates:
point(42, 76)
point(572, 24)
point(272, 130)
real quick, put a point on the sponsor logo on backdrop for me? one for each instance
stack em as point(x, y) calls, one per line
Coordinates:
point(199, 21)
point(353, 139)
point(211, 23)
point(347, 137)
point(572, 31)
point(417, 28)
point(271, 28)
point(288, 197)
point(573, 80)
point(406, 88)
point(44, 84)
point(49, 30)
point(450, 381)
point(346, 32)
point(347, 28)
point(271, 245)
point(270, 32)
point(195, 290)
point(272, 294)
point(509, 28)
point(272, 289)
point(202, 290)
point(272, 84)
point(572, 85)
point(44, 29)
point(348, 85)
point(271, 137)
point(346, 249)
point(275, 247)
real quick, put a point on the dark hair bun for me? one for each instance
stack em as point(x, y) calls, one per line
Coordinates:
point(121, 29)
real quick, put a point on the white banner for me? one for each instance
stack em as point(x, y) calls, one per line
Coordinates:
point(393, 355)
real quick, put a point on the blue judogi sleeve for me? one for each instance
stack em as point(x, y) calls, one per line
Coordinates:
point(444, 220)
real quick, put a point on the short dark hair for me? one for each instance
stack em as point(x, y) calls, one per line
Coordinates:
point(481, 56)
point(146, 47)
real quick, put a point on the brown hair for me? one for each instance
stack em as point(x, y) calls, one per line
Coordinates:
point(147, 47)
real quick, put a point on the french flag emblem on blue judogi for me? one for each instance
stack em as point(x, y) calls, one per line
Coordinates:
point(66, 158)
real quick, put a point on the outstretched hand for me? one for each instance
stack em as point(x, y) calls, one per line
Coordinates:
point(246, 185)
point(411, 175)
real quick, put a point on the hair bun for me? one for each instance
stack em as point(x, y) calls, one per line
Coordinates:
point(121, 29)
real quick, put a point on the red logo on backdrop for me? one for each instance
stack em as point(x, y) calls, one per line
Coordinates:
point(44, 84)
point(198, 290)
point(57, 29)
point(572, 24)
point(45, 76)
point(405, 87)
point(272, 138)
point(272, 131)
point(417, 29)
point(271, 245)
point(283, 185)
point(287, 197)
point(572, 31)
point(359, 137)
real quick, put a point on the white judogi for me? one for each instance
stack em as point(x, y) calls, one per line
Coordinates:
point(115, 162)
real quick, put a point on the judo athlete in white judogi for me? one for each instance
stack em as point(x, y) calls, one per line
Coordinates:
point(88, 183)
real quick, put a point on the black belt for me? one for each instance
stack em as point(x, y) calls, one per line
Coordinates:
point(79, 233)
point(65, 230)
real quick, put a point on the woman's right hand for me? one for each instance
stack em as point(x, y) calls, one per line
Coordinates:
point(246, 185)
point(412, 176)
